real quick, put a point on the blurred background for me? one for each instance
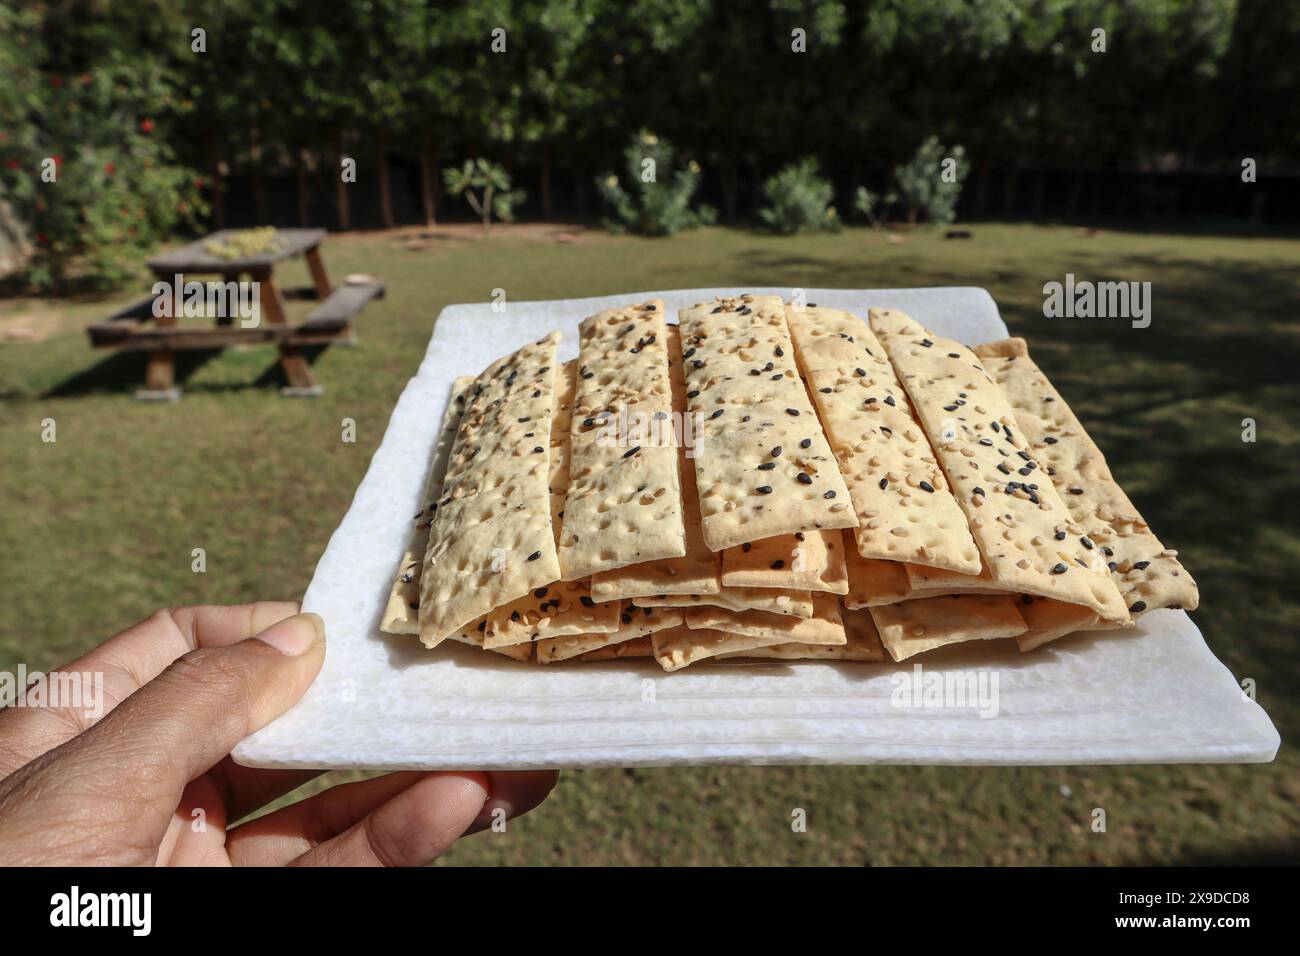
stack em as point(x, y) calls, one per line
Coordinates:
point(457, 148)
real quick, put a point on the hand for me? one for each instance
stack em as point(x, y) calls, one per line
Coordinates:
point(180, 689)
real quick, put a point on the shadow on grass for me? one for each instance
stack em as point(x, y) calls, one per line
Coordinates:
point(124, 372)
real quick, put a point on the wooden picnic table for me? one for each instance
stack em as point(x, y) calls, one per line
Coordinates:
point(138, 328)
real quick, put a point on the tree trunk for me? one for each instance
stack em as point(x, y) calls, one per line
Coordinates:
point(1072, 197)
point(546, 181)
point(385, 189)
point(218, 195)
point(1009, 194)
point(300, 174)
point(428, 183)
point(1040, 188)
point(982, 190)
point(756, 189)
point(260, 201)
point(340, 187)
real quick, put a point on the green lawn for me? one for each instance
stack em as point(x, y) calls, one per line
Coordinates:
point(97, 529)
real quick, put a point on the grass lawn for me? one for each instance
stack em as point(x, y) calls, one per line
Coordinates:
point(97, 529)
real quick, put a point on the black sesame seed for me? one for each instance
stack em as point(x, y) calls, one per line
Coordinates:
point(889, 400)
point(694, 393)
point(534, 556)
point(514, 616)
point(926, 342)
point(631, 451)
point(825, 391)
point(926, 486)
point(1086, 543)
point(764, 489)
point(767, 466)
point(745, 547)
point(538, 449)
point(778, 564)
point(804, 478)
point(1138, 607)
point(806, 443)
point(540, 593)
point(829, 494)
point(717, 413)
point(1059, 568)
point(1060, 536)
point(776, 451)
point(587, 602)
point(792, 411)
point(980, 491)
point(1076, 491)
point(1141, 565)
point(860, 372)
point(1049, 440)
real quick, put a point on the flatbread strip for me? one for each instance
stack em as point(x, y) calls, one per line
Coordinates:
point(624, 503)
point(913, 627)
point(639, 647)
point(762, 462)
point(791, 602)
point(491, 540)
point(563, 607)
point(683, 646)
point(696, 572)
point(1025, 534)
point(906, 511)
point(873, 581)
point(931, 582)
point(826, 626)
point(633, 623)
point(1147, 573)
point(1047, 620)
point(862, 644)
point(401, 616)
point(806, 560)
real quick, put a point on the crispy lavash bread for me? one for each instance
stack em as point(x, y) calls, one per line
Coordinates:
point(1147, 574)
point(401, 616)
point(931, 582)
point(805, 561)
point(638, 647)
point(633, 623)
point(826, 626)
point(773, 600)
point(491, 540)
point(913, 627)
point(763, 466)
point(1047, 620)
point(1028, 540)
point(906, 511)
point(683, 646)
point(624, 502)
point(696, 572)
point(872, 580)
point(862, 644)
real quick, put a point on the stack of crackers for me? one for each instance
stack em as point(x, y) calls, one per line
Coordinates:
point(765, 480)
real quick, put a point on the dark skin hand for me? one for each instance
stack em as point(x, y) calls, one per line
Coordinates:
point(150, 780)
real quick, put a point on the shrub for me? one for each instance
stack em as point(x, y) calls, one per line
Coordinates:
point(486, 187)
point(928, 185)
point(657, 200)
point(81, 167)
point(799, 200)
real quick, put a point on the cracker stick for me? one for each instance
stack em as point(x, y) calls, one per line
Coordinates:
point(812, 561)
point(773, 600)
point(696, 572)
point(563, 607)
point(912, 627)
point(1047, 620)
point(872, 580)
point(491, 540)
point(906, 511)
point(624, 503)
point(633, 623)
point(1029, 541)
point(683, 646)
point(401, 616)
point(826, 626)
point(638, 647)
point(1147, 573)
point(862, 644)
point(762, 463)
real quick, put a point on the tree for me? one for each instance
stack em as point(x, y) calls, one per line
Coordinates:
point(486, 187)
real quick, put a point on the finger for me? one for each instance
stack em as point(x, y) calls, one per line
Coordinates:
point(246, 789)
point(512, 793)
point(279, 837)
point(413, 828)
point(123, 664)
point(136, 762)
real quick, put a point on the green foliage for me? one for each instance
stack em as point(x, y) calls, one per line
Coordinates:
point(657, 200)
point(868, 204)
point(486, 187)
point(81, 163)
point(931, 181)
point(799, 200)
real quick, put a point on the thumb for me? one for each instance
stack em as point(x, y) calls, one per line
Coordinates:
point(136, 762)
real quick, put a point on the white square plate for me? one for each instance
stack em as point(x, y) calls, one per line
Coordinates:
point(1150, 695)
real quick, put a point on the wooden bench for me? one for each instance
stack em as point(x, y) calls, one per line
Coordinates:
point(334, 315)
